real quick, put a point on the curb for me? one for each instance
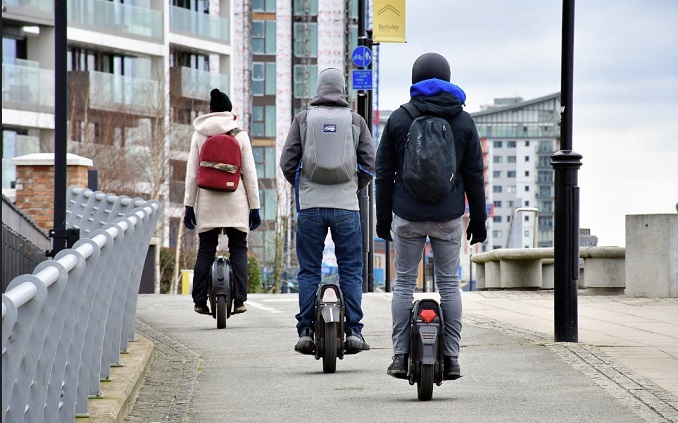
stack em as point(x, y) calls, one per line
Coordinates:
point(120, 392)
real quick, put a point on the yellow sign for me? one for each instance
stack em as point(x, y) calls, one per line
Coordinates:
point(388, 18)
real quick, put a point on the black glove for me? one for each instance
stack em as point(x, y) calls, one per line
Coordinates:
point(384, 231)
point(255, 219)
point(477, 230)
point(189, 218)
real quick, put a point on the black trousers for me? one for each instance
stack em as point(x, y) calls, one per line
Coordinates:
point(207, 250)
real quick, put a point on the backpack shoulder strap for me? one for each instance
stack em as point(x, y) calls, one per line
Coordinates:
point(235, 131)
point(411, 109)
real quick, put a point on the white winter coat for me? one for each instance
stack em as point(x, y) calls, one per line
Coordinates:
point(215, 209)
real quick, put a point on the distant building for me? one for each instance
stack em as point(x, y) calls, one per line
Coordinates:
point(519, 138)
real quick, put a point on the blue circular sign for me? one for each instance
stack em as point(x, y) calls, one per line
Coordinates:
point(361, 56)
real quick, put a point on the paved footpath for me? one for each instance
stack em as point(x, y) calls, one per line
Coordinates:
point(513, 371)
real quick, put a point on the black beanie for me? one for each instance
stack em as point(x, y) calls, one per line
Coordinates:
point(220, 102)
point(430, 65)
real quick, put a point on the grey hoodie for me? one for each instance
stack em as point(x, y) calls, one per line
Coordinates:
point(331, 92)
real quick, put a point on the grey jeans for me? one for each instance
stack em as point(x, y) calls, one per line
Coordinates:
point(410, 239)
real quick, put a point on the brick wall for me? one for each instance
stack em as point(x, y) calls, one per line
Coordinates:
point(35, 184)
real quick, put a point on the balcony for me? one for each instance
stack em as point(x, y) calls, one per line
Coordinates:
point(196, 84)
point(29, 11)
point(199, 24)
point(27, 87)
point(116, 18)
point(115, 93)
point(180, 137)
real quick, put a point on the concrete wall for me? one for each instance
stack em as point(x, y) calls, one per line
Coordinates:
point(652, 255)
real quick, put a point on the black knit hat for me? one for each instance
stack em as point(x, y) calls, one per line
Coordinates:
point(220, 102)
point(430, 65)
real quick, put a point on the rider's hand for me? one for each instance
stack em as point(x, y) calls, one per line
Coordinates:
point(189, 218)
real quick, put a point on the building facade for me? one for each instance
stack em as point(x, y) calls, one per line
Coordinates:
point(140, 71)
point(520, 137)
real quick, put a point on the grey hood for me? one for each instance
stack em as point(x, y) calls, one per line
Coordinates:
point(331, 89)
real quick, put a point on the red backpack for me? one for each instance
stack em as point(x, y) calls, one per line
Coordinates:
point(220, 160)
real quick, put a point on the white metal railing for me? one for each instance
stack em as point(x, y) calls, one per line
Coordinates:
point(515, 235)
point(65, 325)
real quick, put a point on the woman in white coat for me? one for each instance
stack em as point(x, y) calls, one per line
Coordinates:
point(216, 212)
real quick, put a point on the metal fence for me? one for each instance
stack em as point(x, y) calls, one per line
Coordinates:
point(65, 325)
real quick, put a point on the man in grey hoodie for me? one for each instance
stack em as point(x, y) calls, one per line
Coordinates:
point(329, 202)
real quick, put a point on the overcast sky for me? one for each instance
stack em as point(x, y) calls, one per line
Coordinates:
point(625, 107)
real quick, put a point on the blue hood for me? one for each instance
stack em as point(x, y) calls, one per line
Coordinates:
point(430, 87)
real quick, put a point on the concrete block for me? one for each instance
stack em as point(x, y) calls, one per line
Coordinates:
point(524, 274)
point(492, 275)
point(652, 255)
point(480, 275)
point(605, 276)
point(547, 274)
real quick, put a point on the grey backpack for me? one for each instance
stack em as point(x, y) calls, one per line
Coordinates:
point(430, 162)
point(329, 145)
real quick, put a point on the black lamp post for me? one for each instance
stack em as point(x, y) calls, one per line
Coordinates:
point(566, 164)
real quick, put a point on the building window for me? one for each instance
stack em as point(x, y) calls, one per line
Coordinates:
point(527, 188)
point(263, 5)
point(527, 158)
point(496, 234)
point(305, 7)
point(527, 203)
point(263, 121)
point(527, 173)
point(496, 204)
point(511, 159)
point(496, 173)
point(306, 39)
point(497, 144)
point(263, 78)
point(545, 221)
point(264, 159)
point(527, 143)
point(496, 159)
point(496, 188)
point(496, 219)
point(511, 173)
point(511, 188)
point(527, 218)
point(511, 144)
point(263, 37)
point(305, 81)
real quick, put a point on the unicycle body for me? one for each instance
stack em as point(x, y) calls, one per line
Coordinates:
point(329, 325)
point(220, 290)
point(425, 365)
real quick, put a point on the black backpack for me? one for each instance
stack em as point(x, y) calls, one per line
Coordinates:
point(430, 162)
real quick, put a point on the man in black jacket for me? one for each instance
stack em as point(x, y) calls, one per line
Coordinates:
point(408, 221)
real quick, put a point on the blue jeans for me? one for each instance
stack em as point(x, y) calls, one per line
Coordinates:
point(344, 225)
point(409, 239)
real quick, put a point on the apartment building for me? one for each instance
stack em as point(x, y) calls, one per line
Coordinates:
point(139, 72)
point(519, 137)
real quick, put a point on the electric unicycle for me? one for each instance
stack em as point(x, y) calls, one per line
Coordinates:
point(426, 347)
point(220, 290)
point(329, 325)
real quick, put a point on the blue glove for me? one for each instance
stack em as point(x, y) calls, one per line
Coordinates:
point(255, 219)
point(189, 218)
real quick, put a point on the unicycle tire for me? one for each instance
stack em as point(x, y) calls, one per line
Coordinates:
point(425, 382)
point(221, 311)
point(330, 348)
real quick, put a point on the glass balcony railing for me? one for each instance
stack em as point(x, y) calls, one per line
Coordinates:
point(198, 83)
point(42, 6)
point(180, 137)
point(123, 93)
point(198, 24)
point(27, 87)
point(116, 18)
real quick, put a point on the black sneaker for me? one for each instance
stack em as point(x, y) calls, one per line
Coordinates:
point(398, 369)
point(355, 343)
point(305, 342)
point(451, 369)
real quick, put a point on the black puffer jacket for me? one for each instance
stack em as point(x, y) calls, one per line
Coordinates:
point(392, 197)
